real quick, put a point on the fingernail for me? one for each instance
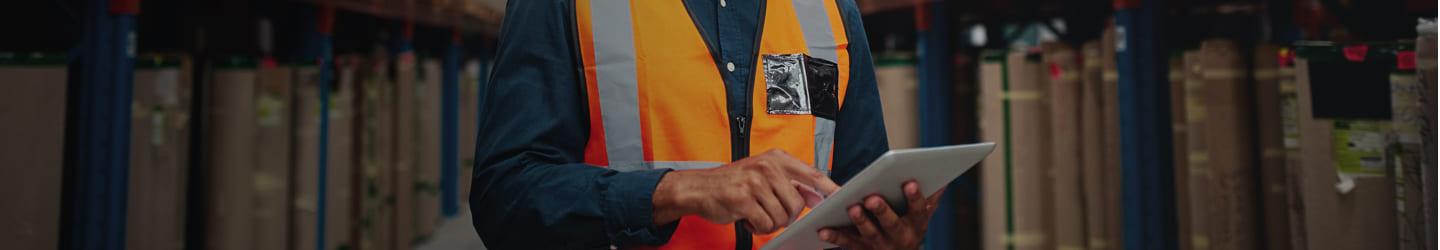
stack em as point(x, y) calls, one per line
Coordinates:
point(825, 235)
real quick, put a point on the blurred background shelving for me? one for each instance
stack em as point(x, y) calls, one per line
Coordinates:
point(350, 124)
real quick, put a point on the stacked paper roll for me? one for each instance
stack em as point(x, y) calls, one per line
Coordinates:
point(1062, 78)
point(1274, 186)
point(427, 178)
point(272, 156)
point(1225, 165)
point(33, 107)
point(232, 142)
point(1095, 174)
point(405, 128)
point(159, 154)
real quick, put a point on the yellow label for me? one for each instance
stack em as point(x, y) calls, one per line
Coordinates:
point(269, 110)
point(1359, 148)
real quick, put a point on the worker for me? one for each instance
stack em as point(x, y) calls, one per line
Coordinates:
point(680, 125)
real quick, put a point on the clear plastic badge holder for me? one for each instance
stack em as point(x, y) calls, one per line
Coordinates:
point(796, 84)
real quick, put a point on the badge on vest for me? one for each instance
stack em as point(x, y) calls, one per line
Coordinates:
point(797, 84)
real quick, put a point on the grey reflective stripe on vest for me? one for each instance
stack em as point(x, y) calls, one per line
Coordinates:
point(824, 137)
point(615, 79)
point(676, 165)
point(616, 82)
point(814, 21)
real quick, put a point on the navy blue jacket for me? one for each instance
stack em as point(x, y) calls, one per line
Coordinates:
point(531, 189)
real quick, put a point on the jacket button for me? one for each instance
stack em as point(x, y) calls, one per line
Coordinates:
point(730, 66)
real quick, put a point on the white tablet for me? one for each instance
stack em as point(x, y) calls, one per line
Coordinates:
point(931, 167)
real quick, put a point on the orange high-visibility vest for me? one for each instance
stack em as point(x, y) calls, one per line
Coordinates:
point(657, 98)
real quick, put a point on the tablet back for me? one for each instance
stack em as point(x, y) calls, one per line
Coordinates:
point(933, 167)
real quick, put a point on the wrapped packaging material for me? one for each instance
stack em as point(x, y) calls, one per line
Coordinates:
point(1274, 181)
point(1407, 123)
point(1196, 152)
point(469, 120)
point(1015, 179)
point(306, 149)
point(1092, 147)
point(1348, 196)
point(1290, 138)
point(1062, 80)
point(1030, 165)
point(897, 82)
point(340, 198)
point(159, 153)
point(232, 139)
point(272, 156)
point(377, 155)
point(1178, 136)
point(33, 108)
point(404, 124)
point(1426, 75)
point(1110, 103)
point(427, 172)
point(1225, 167)
point(994, 214)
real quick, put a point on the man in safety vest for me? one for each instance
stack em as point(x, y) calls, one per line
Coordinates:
point(667, 123)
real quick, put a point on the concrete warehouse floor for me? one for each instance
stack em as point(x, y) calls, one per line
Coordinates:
point(454, 233)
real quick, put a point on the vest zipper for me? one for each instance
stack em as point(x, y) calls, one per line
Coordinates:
point(740, 148)
point(741, 144)
point(740, 123)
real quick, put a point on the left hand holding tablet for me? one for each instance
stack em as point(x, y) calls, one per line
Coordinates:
point(887, 229)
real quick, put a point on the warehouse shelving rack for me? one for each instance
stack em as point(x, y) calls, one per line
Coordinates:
point(1148, 205)
point(114, 31)
point(1148, 31)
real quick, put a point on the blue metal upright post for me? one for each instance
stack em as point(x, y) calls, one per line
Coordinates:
point(324, 24)
point(934, 59)
point(122, 78)
point(1148, 196)
point(449, 117)
point(98, 141)
point(936, 90)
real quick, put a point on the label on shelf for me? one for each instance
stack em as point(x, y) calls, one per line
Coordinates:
point(1359, 148)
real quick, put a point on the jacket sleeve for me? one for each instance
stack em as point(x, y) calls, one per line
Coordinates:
point(529, 189)
point(860, 126)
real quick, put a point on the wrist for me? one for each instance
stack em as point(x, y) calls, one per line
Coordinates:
point(667, 199)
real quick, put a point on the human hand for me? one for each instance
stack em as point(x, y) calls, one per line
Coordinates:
point(887, 230)
point(761, 189)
